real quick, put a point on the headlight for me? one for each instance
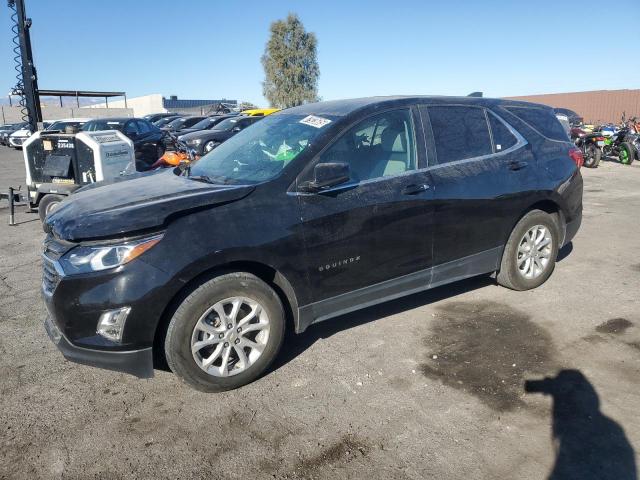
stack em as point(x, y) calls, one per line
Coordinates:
point(196, 142)
point(85, 259)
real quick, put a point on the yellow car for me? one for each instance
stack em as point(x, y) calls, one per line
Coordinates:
point(259, 112)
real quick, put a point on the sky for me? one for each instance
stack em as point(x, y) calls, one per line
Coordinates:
point(212, 49)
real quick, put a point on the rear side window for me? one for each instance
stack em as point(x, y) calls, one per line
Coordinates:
point(459, 133)
point(502, 137)
point(542, 120)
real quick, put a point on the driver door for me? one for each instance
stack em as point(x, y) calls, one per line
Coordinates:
point(371, 237)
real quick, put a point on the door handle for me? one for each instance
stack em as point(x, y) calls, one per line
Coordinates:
point(517, 165)
point(415, 189)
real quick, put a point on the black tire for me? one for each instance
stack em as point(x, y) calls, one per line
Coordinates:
point(47, 204)
point(178, 340)
point(627, 153)
point(592, 156)
point(509, 275)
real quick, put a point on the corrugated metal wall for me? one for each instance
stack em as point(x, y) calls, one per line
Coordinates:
point(598, 106)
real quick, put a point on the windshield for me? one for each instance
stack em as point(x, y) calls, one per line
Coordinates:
point(203, 124)
point(98, 125)
point(63, 125)
point(227, 124)
point(262, 151)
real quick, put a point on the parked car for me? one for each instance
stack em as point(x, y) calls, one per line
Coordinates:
point(206, 123)
point(259, 112)
point(181, 122)
point(148, 140)
point(8, 129)
point(154, 117)
point(17, 138)
point(66, 123)
point(206, 140)
point(314, 212)
point(163, 121)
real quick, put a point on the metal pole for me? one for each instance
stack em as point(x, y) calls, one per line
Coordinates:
point(10, 103)
point(77, 99)
point(29, 76)
point(125, 101)
point(12, 220)
point(106, 101)
point(60, 97)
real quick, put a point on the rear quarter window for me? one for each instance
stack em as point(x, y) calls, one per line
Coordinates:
point(542, 120)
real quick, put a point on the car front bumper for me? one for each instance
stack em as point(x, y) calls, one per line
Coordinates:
point(134, 362)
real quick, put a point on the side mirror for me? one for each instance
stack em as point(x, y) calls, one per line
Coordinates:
point(327, 175)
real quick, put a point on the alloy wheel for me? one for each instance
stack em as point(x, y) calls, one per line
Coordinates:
point(230, 336)
point(534, 252)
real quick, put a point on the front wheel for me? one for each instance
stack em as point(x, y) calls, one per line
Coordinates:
point(626, 153)
point(530, 254)
point(592, 156)
point(47, 204)
point(225, 333)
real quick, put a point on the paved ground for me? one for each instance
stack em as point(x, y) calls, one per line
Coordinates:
point(431, 386)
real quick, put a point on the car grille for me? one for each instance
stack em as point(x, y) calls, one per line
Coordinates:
point(52, 250)
point(50, 276)
point(17, 141)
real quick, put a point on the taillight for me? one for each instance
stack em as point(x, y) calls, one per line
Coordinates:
point(599, 139)
point(576, 156)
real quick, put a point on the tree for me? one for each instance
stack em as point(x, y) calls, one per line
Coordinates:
point(290, 64)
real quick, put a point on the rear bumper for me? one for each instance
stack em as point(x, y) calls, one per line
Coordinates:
point(572, 228)
point(134, 362)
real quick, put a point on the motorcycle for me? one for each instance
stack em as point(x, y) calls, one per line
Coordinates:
point(625, 143)
point(180, 155)
point(590, 144)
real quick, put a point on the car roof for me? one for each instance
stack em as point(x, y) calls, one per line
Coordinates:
point(348, 106)
point(117, 119)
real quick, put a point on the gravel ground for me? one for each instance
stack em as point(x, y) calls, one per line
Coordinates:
point(430, 386)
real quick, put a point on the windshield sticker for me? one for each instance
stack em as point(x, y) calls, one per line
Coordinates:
point(313, 121)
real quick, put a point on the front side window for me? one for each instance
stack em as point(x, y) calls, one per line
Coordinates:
point(131, 128)
point(261, 152)
point(459, 132)
point(379, 146)
point(143, 126)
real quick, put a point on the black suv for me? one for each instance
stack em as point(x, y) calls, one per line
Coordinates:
point(311, 213)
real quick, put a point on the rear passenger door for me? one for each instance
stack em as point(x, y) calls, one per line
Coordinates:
point(370, 238)
point(484, 177)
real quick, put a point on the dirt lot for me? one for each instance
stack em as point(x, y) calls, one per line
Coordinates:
point(430, 386)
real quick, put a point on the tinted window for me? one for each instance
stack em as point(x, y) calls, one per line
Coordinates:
point(502, 137)
point(459, 133)
point(131, 128)
point(542, 120)
point(97, 125)
point(143, 126)
point(379, 146)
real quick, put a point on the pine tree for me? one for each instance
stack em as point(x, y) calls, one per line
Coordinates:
point(290, 64)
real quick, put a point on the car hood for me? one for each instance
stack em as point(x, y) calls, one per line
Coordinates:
point(135, 205)
point(21, 133)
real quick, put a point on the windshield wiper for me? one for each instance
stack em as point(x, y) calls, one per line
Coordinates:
point(217, 180)
point(201, 178)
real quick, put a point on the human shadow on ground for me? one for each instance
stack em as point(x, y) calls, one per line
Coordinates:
point(588, 444)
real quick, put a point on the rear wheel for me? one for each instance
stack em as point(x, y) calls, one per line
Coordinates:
point(592, 156)
point(225, 333)
point(626, 154)
point(529, 256)
point(47, 204)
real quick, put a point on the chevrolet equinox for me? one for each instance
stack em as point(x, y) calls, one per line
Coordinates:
point(311, 213)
